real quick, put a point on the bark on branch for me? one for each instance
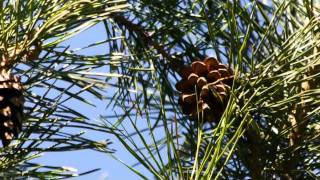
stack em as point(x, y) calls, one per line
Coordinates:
point(174, 63)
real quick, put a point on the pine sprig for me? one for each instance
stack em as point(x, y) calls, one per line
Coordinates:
point(53, 76)
point(266, 129)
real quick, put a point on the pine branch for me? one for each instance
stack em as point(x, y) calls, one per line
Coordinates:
point(298, 118)
point(175, 64)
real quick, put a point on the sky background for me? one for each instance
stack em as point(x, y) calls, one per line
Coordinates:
point(86, 160)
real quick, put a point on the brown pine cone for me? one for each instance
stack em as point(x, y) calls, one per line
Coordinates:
point(205, 89)
point(11, 107)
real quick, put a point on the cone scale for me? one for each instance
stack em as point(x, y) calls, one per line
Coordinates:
point(205, 89)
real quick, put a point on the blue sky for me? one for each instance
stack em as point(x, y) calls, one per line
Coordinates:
point(88, 159)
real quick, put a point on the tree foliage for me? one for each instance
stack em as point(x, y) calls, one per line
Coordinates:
point(269, 128)
point(270, 125)
point(58, 76)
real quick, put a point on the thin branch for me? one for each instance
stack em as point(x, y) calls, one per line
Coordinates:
point(175, 64)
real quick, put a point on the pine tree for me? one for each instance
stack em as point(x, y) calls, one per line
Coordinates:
point(39, 77)
point(269, 126)
point(250, 111)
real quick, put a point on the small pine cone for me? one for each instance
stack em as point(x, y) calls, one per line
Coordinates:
point(11, 107)
point(205, 89)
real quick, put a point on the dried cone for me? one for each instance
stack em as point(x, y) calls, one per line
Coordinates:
point(205, 89)
point(11, 107)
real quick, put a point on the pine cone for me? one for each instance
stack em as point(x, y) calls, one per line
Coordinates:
point(205, 89)
point(11, 107)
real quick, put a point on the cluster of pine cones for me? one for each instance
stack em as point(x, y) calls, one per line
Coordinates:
point(205, 89)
